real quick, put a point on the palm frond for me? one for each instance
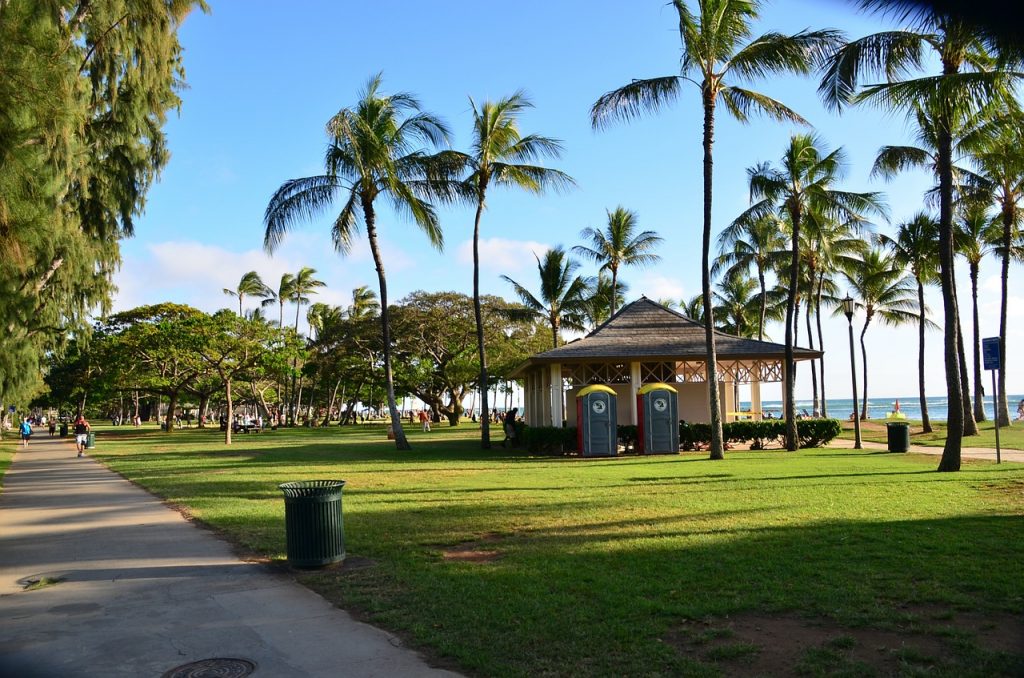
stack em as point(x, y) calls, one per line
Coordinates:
point(295, 200)
point(777, 53)
point(635, 99)
point(741, 103)
point(892, 54)
point(892, 160)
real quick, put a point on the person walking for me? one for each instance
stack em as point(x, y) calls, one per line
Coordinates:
point(52, 427)
point(425, 420)
point(26, 432)
point(82, 428)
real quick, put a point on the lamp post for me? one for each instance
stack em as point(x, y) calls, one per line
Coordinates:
point(849, 306)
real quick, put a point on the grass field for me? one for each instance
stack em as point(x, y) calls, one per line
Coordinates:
point(1011, 438)
point(8, 446)
point(822, 562)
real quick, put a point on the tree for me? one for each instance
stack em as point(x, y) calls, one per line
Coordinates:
point(563, 295)
point(738, 306)
point(973, 239)
point(965, 85)
point(303, 284)
point(601, 301)
point(364, 303)
point(914, 248)
point(883, 290)
point(498, 157)
point(803, 185)
point(751, 243)
point(717, 45)
point(250, 285)
point(618, 245)
point(376, 149)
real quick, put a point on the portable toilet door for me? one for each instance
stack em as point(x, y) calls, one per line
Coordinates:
point(597, 422)
point(658, 421)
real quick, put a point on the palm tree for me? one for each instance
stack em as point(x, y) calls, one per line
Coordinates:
point(377, 149)
point(751, 243)
point(717, 46)
point(914, 248)
point(738, 306)
point(563, 298)
point(250, 285)
point(364, 303)
point(617, 246)
point(884, 290)
point(974, 238)
point(284, 291)
point(1000, 174)
point(303, 285)
point(965, 85)
point(499, 157)
point(803, 186)
point(693, 308)
point(602, 300)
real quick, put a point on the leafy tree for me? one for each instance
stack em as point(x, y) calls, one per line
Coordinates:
point(914, 248)
point(376, 150)
point(250, 285)
point(718, 46)
point(975, 233)
point(618, 245)
point(563, 295)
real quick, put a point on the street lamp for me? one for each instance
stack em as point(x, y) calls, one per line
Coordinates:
point(849, 306)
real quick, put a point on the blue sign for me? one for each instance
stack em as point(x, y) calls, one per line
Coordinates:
point(990, 353)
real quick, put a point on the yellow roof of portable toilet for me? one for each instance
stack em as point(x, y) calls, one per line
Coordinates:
point(595, 388)
point(647, 388)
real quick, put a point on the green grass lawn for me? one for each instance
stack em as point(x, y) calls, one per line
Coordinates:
point(8, 446)
point(1011, 438)
point(500, 564)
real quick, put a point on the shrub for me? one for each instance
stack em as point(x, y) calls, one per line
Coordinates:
point(549, 439)
point(817, 432)
point(812, 433)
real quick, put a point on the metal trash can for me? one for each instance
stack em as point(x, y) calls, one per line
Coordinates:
point(313, 523)
point(63, 429)
point(897, 435)
point(90, 441)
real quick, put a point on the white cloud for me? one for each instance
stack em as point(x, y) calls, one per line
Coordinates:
point(501, 255)
point(655, 287)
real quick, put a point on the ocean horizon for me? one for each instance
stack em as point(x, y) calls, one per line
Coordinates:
point(840, 408)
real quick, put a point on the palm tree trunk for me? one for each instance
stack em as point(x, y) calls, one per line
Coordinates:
point(554, 342)
point(615, 289)
point(954, 418)
point(864, 367)
point(764, 303)
point(792, 442)
point(979, 386)
point(711, 363)
point(227, 400)
point(240, 305)
point(821, 344)
point(926, 424)
point(401, 442)
point(485, 425)
point(1003, 414)
point(814, 364)
point(970, 426)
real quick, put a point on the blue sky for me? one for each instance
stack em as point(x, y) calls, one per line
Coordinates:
point(263, 78)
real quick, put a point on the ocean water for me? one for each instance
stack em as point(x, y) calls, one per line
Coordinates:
point(840, 408)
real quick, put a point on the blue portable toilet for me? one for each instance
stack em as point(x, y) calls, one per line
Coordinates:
point(657, 407)
point(597, 422)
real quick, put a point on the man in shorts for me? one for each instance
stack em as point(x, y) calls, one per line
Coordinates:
point(26, 432)
point(81, 434)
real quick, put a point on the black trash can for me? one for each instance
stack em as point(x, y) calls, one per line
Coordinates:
point(90, 441)
point(313, 523)
point(897, 434)
point(63, 429)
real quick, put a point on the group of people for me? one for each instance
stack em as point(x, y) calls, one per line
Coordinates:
point(81, 428)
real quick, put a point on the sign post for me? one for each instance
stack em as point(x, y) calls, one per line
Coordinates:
point(993, 361)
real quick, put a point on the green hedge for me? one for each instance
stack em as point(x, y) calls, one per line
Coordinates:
point(812, 433)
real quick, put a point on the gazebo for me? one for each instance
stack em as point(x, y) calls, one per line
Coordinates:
point(643, 343)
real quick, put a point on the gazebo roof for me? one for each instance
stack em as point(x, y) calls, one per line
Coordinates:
point(646, 330)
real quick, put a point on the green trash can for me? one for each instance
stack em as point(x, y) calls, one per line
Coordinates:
point(897, 435)
point(63, 429)
point(313, 523)
point(90, 441)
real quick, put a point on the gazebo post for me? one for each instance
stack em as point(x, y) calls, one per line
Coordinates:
point(557, 396)
point(634, 386)
point(755, 398)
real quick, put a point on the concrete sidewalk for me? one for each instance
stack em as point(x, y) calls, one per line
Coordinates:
point(986, 453)
point(142, 591)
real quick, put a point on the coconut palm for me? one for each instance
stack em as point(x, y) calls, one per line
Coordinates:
point(966, 84)
point(751, 243)
point(602, 301)
point(914, 248)
point(303, 285)
point(499, 157)
point(250, 285)
point(378, 148)
point(801, 186)
point(885, 291)
point(693, 308)
point(279, 297)
point(976, 232)
point(618, 245)
point(364, 303)
point(739, 305)
point(717, 47)
point(564, 296)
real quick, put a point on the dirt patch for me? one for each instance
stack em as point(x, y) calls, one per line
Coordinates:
point(789, 645)
point(476, 551)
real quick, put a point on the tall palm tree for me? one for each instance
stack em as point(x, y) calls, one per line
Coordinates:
point(279, 297)
point(975, 236)
point(885, 291)
point(1000, 173)
point(914, 248)
point(563, 298)
point(250, 285)
point(500, 155)
point(602, 300)
point(378, 148)
point(739, 305)
point(803, 185)
point(303, 285)
point(364, 303)
point(619, 245)
point(966, 84)
point(717, 47)
point(751, 243)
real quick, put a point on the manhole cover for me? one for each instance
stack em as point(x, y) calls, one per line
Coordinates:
point(213, 668)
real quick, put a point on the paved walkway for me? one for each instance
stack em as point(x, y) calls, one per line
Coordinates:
point(965, 453)
point(142, 591)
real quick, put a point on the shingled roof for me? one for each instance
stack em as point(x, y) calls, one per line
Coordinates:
point(645, 330)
